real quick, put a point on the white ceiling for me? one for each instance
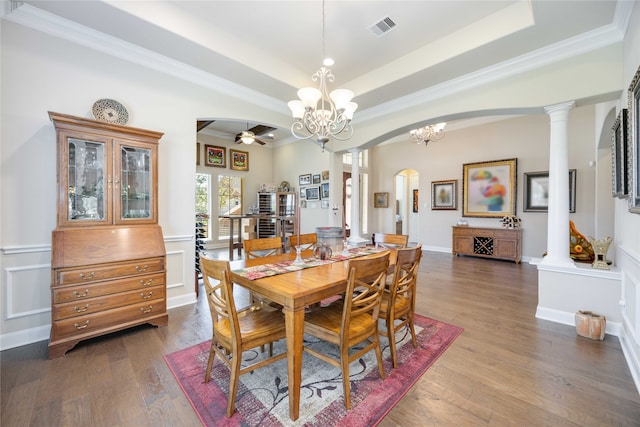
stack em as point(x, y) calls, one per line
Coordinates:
point(273, 47)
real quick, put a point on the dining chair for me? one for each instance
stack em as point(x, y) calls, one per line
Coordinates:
point(236, 332)
point(307, 241)
point(257, 248)
point(390, 241)
point(354, 319)
point(399, 301)
point(261, 248)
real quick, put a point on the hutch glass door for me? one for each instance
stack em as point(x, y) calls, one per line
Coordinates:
point(136, 190)
point(87, 199)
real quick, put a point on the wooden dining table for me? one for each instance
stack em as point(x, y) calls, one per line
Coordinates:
point(295, 291)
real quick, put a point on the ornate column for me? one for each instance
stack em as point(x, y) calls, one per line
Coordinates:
point(558, 214)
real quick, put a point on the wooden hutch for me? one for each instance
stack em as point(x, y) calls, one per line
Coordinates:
point(108, 256)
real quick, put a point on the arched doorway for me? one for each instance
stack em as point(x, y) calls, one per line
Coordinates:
point(406, 204)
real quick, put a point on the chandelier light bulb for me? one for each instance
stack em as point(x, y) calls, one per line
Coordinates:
point(426, 134)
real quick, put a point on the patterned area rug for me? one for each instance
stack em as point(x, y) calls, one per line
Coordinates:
point(263, 396)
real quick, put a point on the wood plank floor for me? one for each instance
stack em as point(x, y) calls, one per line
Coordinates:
point(507, 367)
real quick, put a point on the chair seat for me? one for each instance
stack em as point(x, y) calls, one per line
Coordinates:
point(403, 304)
point(329, 319)
point(254, 324)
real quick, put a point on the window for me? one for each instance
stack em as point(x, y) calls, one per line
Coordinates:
point(230, 196)
point(364, 190)
point(203, 205)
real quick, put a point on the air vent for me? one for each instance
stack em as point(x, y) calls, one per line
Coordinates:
point(382, 27)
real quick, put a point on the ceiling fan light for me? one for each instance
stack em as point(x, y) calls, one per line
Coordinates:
point(297, 109)
point(309, 96)
point(247, 137)
point(247, 140)
point(341, 98)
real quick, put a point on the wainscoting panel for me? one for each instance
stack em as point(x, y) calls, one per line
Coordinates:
point(629, 263)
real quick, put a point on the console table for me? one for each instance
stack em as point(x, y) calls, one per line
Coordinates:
point(487, 242)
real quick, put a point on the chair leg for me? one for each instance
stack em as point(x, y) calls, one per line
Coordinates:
point(413, 332)
point(212, 355)
point(376, 340)
point(233, 383)
point(346, 381)
point(391, 336)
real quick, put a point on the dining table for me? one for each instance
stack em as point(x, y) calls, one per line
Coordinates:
point(295, 291)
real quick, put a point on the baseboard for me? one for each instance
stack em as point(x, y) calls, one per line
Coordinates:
point(24, 337)
point(632, 359)
point(566, 318)
point(41, 333)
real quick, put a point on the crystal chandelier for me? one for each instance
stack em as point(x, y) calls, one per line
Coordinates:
point(427, 133)
point(319, 114)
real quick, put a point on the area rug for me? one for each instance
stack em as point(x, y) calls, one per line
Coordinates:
point(263, 398)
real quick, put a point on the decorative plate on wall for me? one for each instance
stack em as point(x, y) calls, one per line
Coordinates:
point(110, 111)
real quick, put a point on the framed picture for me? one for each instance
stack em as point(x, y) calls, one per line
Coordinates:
point(313, 193)
point(634, 144)
point(324, 190)
point(324, 204)
point(214, 156)
point(415, 200)
point(303, 193)
point(304, 179)
point(197, 154)
point(619, 165)
point(325, 175)
point(536, 191)
point(443, 195)
point(239, 160)
point(489, 188)
point(380, 200)
point(315, 179)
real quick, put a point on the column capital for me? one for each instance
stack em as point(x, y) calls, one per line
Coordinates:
point(565, 106)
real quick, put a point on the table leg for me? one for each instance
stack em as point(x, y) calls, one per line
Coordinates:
point(294, 320)
point(239, 237)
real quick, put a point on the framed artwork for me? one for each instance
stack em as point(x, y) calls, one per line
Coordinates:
point(489, 188)
point(325, 175)
point(634, 143)
point(315, 179)
point(197, 154)
point(214, 156)
point(380, 200)
point(619, 165)
point(415, 200)
point(304, 179)
point(324, 204)
point(239, 160)
point(313, 193)
point(303, 193)
point(536, 191)
point(443, 195)
point(324, 190)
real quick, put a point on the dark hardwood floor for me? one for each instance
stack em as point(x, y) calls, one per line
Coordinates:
point(507, 367)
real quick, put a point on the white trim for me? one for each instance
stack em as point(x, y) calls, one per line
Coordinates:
point(565, 318)
point(24, 337)
point(633, 359)
point(181, 300)
point(582, 269)
point(174, 239)
point(25, 249)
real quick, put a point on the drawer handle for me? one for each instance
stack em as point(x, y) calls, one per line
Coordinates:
point(82, 309)
point(79, 327)
point(82, 295)
point(146, 296)
point(143, 269)
point(89, 277)
point(147, 283)
point(146, 310)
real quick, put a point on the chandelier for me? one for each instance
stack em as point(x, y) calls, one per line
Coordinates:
point(427, 133)
point(321, 114)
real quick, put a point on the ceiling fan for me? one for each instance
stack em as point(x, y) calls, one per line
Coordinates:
point(249, 136)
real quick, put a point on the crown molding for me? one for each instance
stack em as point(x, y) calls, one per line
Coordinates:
point(48, 23)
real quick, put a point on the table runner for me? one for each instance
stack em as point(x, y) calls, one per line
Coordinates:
point(265, 270)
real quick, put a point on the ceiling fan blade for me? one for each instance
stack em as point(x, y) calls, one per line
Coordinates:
point(259, 141)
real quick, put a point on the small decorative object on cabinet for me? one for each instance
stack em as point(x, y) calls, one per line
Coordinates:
point(108, 254)
point(486, 242)
point(600, 249)
point(590, 325)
